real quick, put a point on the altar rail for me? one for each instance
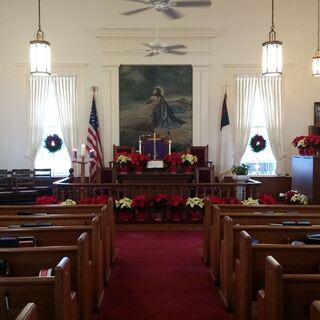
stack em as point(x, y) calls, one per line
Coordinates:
point(63, 189)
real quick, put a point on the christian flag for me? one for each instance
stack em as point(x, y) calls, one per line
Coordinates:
point(226, 149)
point(94, 143)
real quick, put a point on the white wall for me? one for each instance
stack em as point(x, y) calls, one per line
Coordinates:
point(81, 33)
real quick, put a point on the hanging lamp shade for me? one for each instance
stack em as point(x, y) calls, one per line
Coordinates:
point(272, 63)
point(316, 58)
point(40, 52)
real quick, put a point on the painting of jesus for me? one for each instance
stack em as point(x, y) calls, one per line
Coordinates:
point(156, 98)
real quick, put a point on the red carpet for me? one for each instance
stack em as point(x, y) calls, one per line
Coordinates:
point(160, 276)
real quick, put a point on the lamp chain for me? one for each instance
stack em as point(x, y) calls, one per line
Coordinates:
point(272, 23)
point(39, 15)
point(318, 25)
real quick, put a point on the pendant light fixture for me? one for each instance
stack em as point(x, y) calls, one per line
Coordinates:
point(316, 58)
point(40, 52)
point(272, 52)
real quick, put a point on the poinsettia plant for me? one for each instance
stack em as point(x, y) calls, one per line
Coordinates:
point(250, 202)
point(176, 202)
point(139, 201)
point(47, 200)
point(218, 200)
point(124, 203)
point(173, 159)
point(159, 201)
point(188, 159)
point(123, 158)
point(95, 200)
point(139, 159)
point(195, 203)
point(267, 199)
point(294, 197)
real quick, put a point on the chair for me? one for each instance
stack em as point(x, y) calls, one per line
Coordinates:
point(23, 184)
point(204, 174)
point(120, 149)
point(106, 175)
point(201, 152)
point(43, 181)
point(6, 193)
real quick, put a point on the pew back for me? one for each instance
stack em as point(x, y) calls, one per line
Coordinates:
point(29, 312)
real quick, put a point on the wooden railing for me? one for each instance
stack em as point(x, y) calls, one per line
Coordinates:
point(64, 189)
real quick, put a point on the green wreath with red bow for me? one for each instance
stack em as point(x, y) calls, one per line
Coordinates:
point(258, 143)
point(53, 143)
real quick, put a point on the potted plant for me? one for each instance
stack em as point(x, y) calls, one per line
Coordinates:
point(240, 173)
point(123, 161)
point(139, 204)
point(188, 161)
point(139, 161)
point(176, 208)
point(124, 207)
point(172, 161)
point(159, 204)
point(195, 207)
point(294, 197)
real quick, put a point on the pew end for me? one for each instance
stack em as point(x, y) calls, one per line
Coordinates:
point(29, 312)
point(315, 310)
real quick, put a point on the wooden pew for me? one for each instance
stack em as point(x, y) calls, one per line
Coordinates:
point(29, 312)
point(286, 296)
point(27, 261)
point(217, 231)
point(250, 268)
point(215, 213)
point(315, 310)
point(52, 295)
point(68, 235)
point(263, 233)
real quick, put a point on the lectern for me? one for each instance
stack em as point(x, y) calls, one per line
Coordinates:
point(306, 176)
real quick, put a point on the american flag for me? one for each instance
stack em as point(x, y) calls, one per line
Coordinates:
point(94, 143)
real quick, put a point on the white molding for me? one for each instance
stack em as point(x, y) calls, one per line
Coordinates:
point(138, 33)
point(56, 65)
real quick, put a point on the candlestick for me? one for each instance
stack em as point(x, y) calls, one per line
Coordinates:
point(83, 150)
point(170, 142)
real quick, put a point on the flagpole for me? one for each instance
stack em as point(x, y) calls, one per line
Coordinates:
point(94, 89)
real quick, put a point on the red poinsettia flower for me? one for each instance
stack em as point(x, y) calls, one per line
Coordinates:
point(176, 201)
point(139, 159)
point(47, 200)
point(139, 201)
point(267, 199)
point(173, 159)
point(232, 201)
point(215, 200)
point(95, 200)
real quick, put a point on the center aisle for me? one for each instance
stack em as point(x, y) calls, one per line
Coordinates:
point(160, 276)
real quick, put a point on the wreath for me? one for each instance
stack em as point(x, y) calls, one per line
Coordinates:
point(258, 143)
point(53, 143)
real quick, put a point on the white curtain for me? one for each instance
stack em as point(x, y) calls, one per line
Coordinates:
point(39, 90)
point(246, 91)
point(270, 92)
point(65, 89)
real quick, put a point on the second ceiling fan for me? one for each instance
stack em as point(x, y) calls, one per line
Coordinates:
point(167, 6)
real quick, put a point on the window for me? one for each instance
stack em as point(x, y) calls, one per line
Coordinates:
point(263, 162)
point(60, 161)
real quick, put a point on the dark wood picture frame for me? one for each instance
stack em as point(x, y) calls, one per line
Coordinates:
point(317, 113)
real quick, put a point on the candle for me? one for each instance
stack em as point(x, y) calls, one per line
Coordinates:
point(170, 146)
point(83, 150)
point(91, 153)
point(75, 153)
point(140, 150)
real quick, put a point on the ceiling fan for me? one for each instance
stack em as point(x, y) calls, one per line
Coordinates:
point(156, 47)
point(167, 6)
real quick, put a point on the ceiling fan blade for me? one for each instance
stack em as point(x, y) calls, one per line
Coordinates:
point(176, 46)
point(172, 14)
point(176, 52)
point(152, 53)
point(140, 1)
point(191, 3)
point(128, 13)
point(148, 45)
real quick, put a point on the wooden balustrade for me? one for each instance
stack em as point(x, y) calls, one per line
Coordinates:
point(64, 189)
